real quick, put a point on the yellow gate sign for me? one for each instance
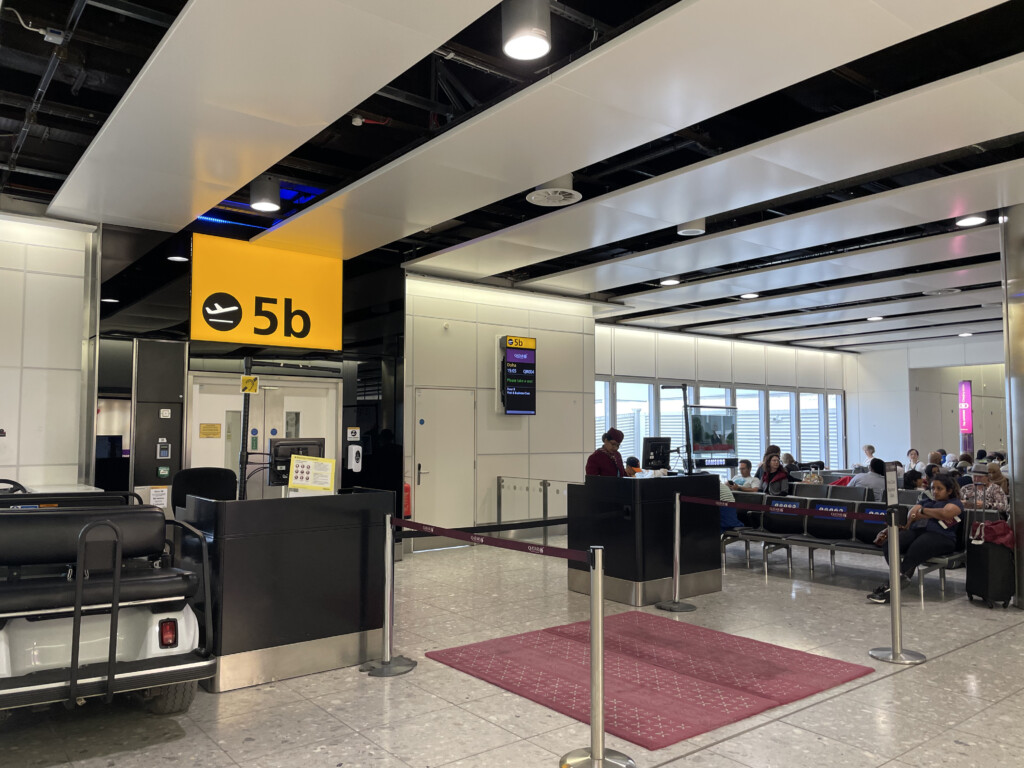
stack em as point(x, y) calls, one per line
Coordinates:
point(244, 293)
point(210, 430)
point(250, 385)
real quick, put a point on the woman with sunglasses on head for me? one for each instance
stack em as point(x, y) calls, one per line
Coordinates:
point(931, 531)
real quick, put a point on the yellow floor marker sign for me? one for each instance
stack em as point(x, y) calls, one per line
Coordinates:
point(250, 385)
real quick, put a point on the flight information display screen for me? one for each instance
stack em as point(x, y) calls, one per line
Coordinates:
point(518, 375)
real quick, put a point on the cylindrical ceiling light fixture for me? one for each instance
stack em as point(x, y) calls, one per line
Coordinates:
point(265, 194)
point(693, 228)
point(526, 28)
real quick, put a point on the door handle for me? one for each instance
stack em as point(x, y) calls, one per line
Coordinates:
point(420, 473)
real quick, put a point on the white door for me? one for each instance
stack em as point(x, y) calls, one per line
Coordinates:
point(444, 471)
point(284, 407)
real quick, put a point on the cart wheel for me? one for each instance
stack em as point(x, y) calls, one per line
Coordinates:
point(990, 604)
point(970, 597)
point(1006, 603)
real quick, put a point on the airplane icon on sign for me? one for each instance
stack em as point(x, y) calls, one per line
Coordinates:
point(219, 310)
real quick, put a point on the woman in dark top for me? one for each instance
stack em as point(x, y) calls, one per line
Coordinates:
point(775, 480)
point(931, 531)
point(606, 461)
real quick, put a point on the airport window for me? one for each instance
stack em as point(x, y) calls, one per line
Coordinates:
point(750, 424)
point(716, 396)
point(812, 426)
point(634, 407)
point(836, 436)
point(781, 420)
point(602, 409)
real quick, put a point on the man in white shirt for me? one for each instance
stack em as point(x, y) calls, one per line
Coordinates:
point(744, 481)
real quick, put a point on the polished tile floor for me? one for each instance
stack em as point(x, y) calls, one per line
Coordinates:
point(964, 707)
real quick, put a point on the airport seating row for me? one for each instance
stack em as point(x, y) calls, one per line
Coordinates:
point(830, 529)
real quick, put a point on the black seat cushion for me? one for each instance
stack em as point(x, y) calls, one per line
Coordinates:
point(39, 594)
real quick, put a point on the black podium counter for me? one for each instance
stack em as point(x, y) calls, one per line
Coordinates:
point(297, 584)
point(634, 521)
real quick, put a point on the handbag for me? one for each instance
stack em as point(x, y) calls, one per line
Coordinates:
point(992, 532)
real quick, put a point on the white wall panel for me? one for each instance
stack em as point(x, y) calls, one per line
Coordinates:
point(53, 321)
point(714, 360)
point(499, 315)
point(982, 352)
point(496, 432)
point(634, 353)
point(950, 423)
point(559, 361)
point(12, 304)
point(58, 261)
point(603, 350)
point(833, 370)
point(10, 399)
point(444, 357)
point(748, 366)
point(558, 425)
point(810, 368)
point(429, 306)
point(589, 421)
point(12, 255)
point(780, 366)
point(925, 423)
point(588, 363)
point(994, 380)
point(49, 413)
point(488, 354)
point(62, 474)
point(557, 466)
point(551, 321)
point(588, 325)
point(488, 469)
point(677, 356)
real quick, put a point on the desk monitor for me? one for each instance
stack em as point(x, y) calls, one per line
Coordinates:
point(656, 453)
point(283, 448)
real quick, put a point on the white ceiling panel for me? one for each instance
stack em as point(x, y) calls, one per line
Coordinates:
point(951, 278)
point(218, 102)
point(860, 327)
point(958, 111)
point(642, 85)
point(921, 252)
point(883, 308)
point(909, 335)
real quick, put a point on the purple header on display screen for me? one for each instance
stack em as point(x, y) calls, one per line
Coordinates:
point(966, 414)
point(520, 355)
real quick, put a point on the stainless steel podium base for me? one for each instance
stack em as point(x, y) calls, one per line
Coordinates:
point(638, 593)
point(398, 665)
point(904, 657)
point(580, 758)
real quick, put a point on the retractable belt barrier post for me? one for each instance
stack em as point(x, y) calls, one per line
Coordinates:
point(596, 756)
point(896, 654)
point(675, 605)
point(389, 666)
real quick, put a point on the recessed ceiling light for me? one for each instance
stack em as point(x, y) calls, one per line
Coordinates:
point(875, 318)
point(177, 258)
point(111, 301)
point(692, 228)
point(749, 295)
point(669, 281)
point(1003, 219)
point(526, 28)
point(970, 221)
point(964, 335)
point(940, 292)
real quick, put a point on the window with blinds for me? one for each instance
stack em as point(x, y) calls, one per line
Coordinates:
point(781, 420)
point(812, 426)
point(836, 438)
point(749, 425)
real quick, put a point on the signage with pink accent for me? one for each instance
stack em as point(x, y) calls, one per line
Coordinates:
point(966, 415)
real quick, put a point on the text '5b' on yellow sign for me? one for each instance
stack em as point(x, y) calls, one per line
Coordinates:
point(520, 342)
point(246, 294)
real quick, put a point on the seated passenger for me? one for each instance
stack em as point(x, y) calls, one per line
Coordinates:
point(935, 458)
point(789, 462)
point(869, 453)
point(988, 491)
point(632, 466)
point(913, 480)
point(744, 481)
point(775, 480)
point(768, 452)
point(931, 532)
point(728, 518)
point(913, 461)
point(874, 479)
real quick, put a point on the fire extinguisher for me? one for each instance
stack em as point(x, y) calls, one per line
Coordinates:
point(406, 500)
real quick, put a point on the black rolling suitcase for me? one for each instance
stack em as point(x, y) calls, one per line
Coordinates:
point(990, 573)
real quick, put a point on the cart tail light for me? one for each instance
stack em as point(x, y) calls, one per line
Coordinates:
point(168, 633)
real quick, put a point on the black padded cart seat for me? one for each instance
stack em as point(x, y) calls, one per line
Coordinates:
point(31, 540)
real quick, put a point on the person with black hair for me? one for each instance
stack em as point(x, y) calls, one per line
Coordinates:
point(874, 479)
point(930, 532)
point(913, 480)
